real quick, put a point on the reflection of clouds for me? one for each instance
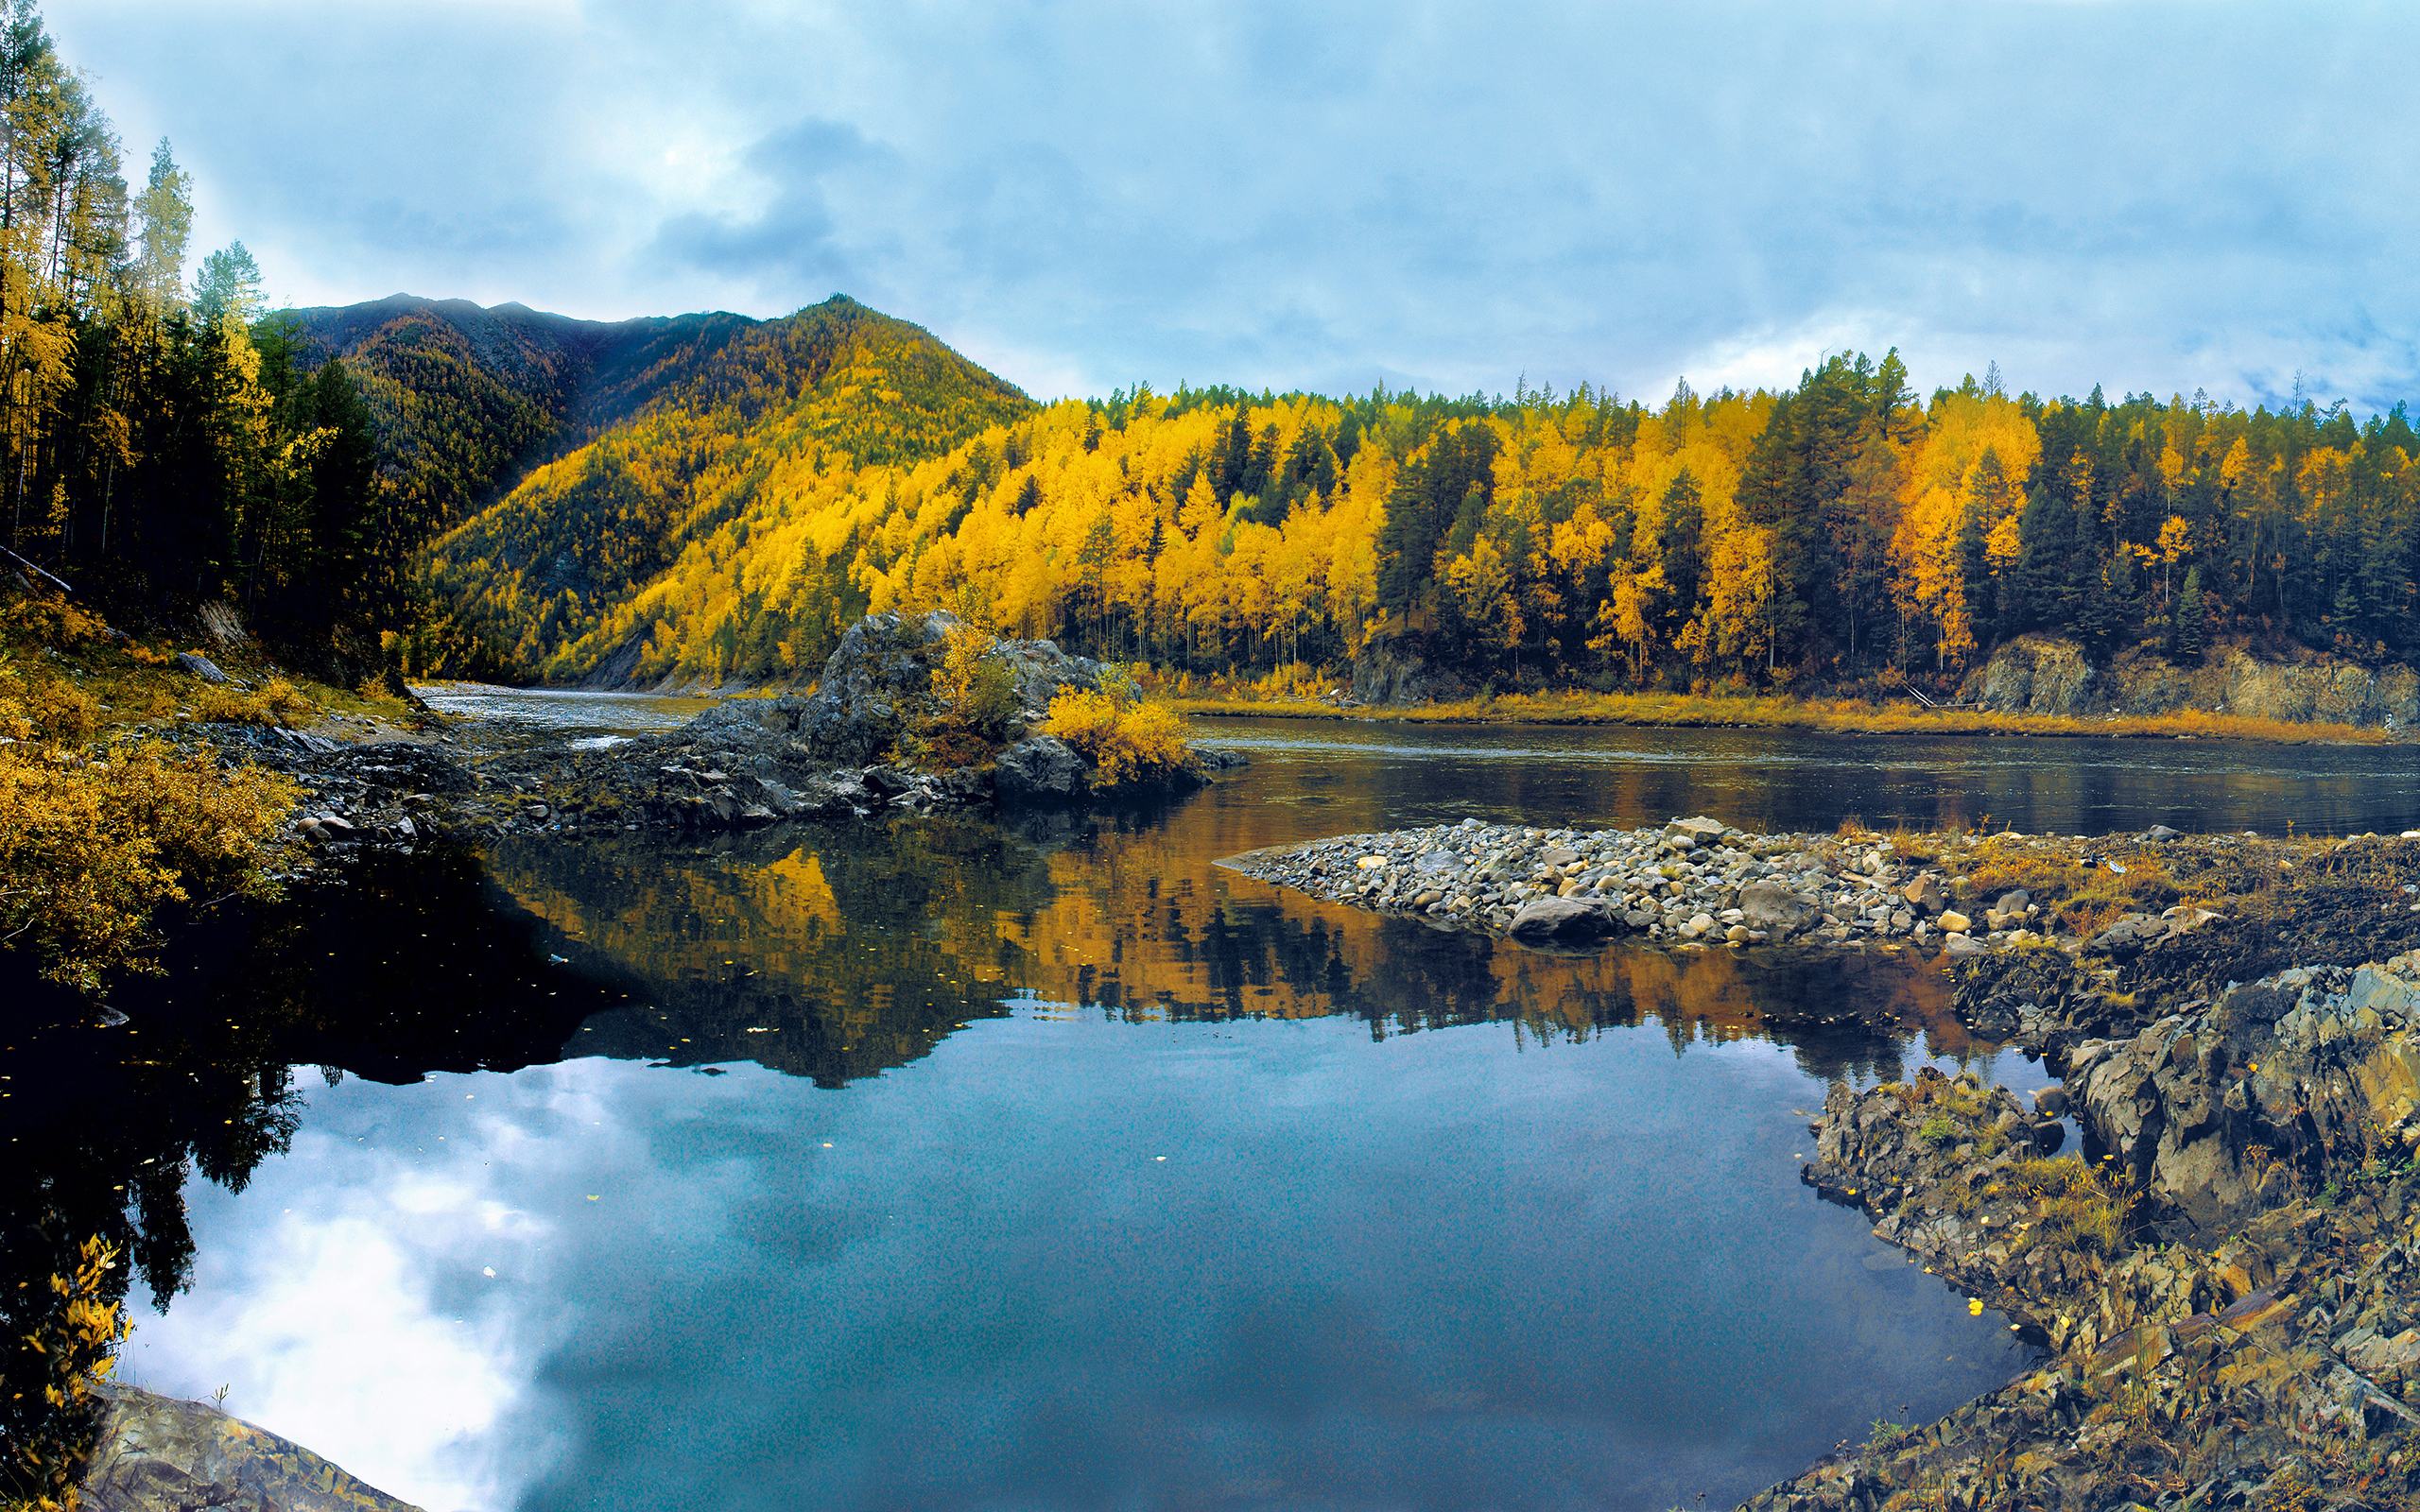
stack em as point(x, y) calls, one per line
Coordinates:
point(344, 1297)
point(1060, 1261)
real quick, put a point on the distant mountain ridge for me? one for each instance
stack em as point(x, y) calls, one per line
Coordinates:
point(467, 399)
point(559, 466)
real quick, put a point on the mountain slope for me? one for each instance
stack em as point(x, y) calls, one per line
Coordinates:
point(709, 440)
point(466, 399)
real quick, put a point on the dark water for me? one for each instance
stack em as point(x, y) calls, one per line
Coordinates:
point(942, 1165)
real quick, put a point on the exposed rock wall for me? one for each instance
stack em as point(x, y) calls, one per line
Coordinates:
point(2046, 675)
point(1387, 680)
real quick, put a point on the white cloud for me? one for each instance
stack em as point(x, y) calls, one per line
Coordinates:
point(2132, 194)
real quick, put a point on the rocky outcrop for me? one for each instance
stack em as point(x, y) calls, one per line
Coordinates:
point(2274, 1363)
point(1387, 678)
point(2046, 675)
point(2222, 1111)
point(877, 684)
point(159, 1455)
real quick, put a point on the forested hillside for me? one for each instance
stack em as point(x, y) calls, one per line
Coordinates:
point(835, 391)
point(1843, 529)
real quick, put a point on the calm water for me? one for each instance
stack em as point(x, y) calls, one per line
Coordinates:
point(943, 1165)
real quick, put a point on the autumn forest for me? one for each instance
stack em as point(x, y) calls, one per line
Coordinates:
point(434, 488)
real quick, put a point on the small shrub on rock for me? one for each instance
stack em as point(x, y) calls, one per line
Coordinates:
point(1123, 737)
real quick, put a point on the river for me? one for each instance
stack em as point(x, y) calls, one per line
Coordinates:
point(943, 1164)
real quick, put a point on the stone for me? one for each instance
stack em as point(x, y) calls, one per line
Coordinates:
point(1774, 908)
point(2160, 832)
point(2126, 938)
point(1701, 829)
point(2052, 1102)
point(1954, 923)
point(201, 666)
point(2013, 902)
point(158, 1455)
point(1924, 893)
point(1564, 921)
point(1040, 768)
point(1961, 946)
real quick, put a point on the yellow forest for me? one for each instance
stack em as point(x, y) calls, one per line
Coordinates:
point(1839, 530)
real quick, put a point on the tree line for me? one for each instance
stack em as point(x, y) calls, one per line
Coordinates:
point(1842, 530)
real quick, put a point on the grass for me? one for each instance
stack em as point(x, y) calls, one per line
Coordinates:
point(1855, 716)
point(2079, 1206)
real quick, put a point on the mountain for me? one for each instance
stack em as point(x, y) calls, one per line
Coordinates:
point(466, 399)
point(627, 446)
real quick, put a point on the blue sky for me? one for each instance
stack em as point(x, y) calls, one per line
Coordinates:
point(2157, 197)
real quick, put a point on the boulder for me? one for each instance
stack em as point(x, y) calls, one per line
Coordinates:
point(1561, 921)
point(1042, 768)
point(201, 666)
point(1961, 946)
point(1925, 894)
point(159, 1455)
point(1957, 923)
point(1769, 906)
point(1701, 829)
point(2126, 938)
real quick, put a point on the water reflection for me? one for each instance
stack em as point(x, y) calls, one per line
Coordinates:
point(411, 967)
point(835, 952)
point(1776, 779)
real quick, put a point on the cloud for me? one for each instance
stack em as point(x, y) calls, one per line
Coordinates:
point(2124, 192)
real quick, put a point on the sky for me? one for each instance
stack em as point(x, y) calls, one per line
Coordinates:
point(2163, 197)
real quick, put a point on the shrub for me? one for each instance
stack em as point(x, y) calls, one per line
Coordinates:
point(50, 1434)
point(92, 846)
point(1120, 733)
point(275, 703)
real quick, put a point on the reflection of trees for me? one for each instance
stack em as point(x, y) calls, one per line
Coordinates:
point(835, 951)
point(826, 951)
point(408, 968)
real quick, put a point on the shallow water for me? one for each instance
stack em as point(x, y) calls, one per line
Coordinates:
point(565, 710)
point(942, 1165)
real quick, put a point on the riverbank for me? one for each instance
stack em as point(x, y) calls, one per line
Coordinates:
point(1850, 716)
point(2223, 1283)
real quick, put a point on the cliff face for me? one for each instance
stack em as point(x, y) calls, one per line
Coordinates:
point(2040, 673)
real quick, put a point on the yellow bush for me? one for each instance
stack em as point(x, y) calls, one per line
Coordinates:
point(1120, 733)
point(275, 703)
point(77, 1341)
point(92, 846)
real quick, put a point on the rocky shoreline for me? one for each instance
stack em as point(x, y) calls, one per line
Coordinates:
point(830, 755)
point(2223, 1284)
point(1690, 881)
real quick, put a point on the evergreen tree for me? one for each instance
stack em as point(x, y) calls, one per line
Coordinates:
point(2192, 636)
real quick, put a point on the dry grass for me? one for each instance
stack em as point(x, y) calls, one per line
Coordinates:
point(1831, 716)
point(2079, 1205)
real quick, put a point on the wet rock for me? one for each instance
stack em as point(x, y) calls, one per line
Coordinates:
point(1776, 909)
point(1925, 894)
point(159, 1455)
